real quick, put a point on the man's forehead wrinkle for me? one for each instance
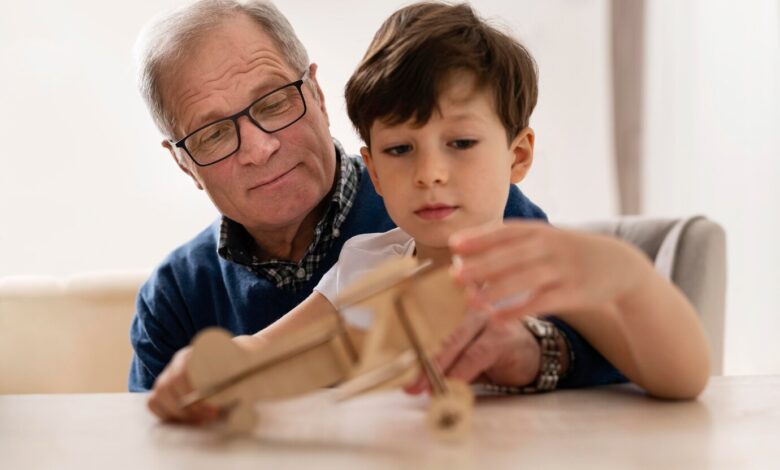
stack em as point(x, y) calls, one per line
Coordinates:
point(246, 63)
point(229, 80)
point(188, 125)
point(265, 53)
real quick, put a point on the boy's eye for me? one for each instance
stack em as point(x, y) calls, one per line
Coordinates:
point(398, 150)
point(463, 144)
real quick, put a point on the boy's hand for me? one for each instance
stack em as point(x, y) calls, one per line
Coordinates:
point(169, 389)
point(528, 268)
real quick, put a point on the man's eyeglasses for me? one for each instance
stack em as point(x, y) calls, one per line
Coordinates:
point(272, 112)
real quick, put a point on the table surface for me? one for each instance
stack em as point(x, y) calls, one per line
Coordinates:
point(735, 423)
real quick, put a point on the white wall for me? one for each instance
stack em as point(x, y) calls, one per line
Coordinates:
point(85, 185)
point(713, 145)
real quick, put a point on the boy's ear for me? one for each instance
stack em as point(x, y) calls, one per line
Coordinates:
point(366, 154)
point(522, 148)
point(181, 165)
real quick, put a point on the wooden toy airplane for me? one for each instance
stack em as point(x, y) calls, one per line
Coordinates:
point(415, 308)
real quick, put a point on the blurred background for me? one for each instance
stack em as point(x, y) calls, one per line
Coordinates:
point(659, 107)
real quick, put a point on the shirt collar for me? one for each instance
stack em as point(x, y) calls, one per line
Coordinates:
point(236, 244)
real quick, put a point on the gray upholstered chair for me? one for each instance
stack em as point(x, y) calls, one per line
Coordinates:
point(689, 251)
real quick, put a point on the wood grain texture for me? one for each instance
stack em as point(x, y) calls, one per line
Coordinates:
point(734, 424)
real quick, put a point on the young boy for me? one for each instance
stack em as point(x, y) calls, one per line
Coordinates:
point(442, 101)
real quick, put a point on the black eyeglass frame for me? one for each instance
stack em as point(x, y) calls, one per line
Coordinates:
point(245, 112)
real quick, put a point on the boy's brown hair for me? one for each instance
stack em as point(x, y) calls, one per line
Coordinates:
point(417, 47)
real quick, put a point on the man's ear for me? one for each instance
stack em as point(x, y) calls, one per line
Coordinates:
point(318, 91)
point(368, 160)
point(181, 165)
point(522, 148)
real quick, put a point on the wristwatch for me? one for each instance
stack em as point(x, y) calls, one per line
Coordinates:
point(550, 362)
point(547, 334)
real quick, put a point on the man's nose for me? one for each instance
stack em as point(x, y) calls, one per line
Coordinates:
point(431, 169)
point(257, 146)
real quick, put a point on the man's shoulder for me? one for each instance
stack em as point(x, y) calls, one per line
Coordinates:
point(187, 260)
point(519, 206)
point(368, 213)
point(365, 187)
point(201, 250)
point(168, 309)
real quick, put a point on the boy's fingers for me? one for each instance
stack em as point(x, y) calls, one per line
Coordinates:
point(419, 385)
point(470, 241)
point(203, 412)
point(550, 300)
point(196, 413)
point(169, 406)
point(498, 261)
point(517, 288)
point(165, 397)
point(181, 388)
point(474, 240)
point(155, 408)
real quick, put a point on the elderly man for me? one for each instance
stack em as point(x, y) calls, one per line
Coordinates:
point(231, 88)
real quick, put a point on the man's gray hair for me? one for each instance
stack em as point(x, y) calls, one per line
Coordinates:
point(166, 39)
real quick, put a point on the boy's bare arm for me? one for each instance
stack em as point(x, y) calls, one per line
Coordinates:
point(604, 288)
point(652, 335)
point(172, 384)
point(316, 307)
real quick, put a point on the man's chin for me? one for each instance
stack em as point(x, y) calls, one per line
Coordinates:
point(282, 214)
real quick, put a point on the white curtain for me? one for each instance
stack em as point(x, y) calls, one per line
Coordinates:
point(628, 61)
point(712, 146)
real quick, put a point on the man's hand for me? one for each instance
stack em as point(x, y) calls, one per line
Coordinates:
point(484, 346)
point(169, 389)
point(544, 269)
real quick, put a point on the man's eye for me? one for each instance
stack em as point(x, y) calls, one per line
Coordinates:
point(398, 150)
point(214, 135)
point(272, 107)
point(463, 144)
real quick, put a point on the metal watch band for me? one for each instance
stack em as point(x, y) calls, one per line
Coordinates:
point(550, 362)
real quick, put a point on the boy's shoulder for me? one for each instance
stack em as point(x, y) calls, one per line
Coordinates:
point(383, 244)
point(359, 255)
point(362, 253)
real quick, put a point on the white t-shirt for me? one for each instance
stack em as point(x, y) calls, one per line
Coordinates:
point(359, 255)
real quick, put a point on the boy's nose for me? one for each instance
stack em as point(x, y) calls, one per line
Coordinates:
point(257, 146)
point(431, 170)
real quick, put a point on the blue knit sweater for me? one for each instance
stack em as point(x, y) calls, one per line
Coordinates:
point(194, 288)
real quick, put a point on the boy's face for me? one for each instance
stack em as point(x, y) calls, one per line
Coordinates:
point(453, 172)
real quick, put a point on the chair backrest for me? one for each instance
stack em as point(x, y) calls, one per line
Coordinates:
point(691, 252)
point(66, 335)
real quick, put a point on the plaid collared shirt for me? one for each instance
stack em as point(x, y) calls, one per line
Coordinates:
point(236, 245)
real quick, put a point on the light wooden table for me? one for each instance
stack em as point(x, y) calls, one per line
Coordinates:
point(735, 424)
